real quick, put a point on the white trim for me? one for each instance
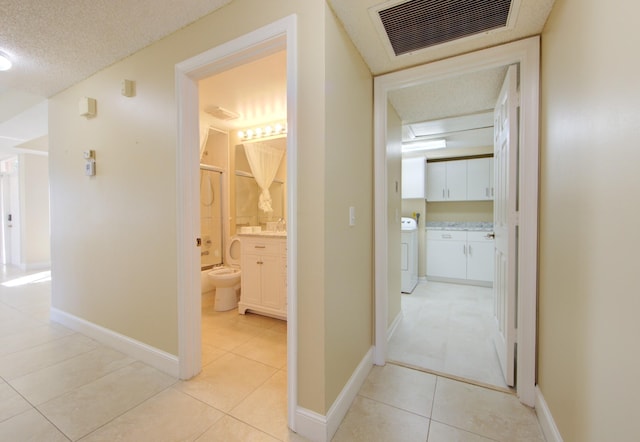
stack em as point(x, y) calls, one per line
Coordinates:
point(156, 358)
point(525, 52)
point(548, 425)
point(392, 328)
point(281, 34)
point(321, 428)
point(35, 266)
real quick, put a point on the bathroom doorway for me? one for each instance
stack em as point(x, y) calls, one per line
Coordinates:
point(276, 37)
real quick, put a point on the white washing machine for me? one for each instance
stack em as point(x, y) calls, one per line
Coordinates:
point(409, 255)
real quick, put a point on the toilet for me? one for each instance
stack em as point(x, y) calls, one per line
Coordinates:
point(226, 279)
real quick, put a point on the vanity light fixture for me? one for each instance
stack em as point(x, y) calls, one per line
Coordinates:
point(263, 132)
point(5, 62)
point(416, 146)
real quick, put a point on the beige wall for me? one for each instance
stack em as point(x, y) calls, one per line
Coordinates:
point(348, 278)
point(589, 217)
point(114, 235)
point(394, 211)
point(34, 210)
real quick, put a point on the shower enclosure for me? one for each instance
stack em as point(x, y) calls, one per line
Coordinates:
point(210, 216)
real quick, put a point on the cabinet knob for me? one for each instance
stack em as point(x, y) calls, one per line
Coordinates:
point(491, 235)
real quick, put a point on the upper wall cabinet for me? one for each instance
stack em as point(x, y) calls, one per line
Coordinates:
point(414, 180)
point(460, 180)
point(480, 179)
point(447, 181)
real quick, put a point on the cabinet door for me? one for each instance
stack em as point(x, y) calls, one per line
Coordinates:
point(272, 282)
point(446, 258)
point(413, 177)
point(456, 180)
point(251, 286)
point(478, 179)
point(436, 181)
point(480, 258)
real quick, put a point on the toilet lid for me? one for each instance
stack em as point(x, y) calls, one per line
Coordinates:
point(234, 252)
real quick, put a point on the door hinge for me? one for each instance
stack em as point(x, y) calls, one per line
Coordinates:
point(198, 242)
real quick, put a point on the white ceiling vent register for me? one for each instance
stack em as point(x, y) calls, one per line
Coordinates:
point(410, 26)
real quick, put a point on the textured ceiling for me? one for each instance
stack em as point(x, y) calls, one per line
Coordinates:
point(55, 44)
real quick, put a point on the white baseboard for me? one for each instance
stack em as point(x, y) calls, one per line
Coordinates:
point(319, 428)
point(26, 267)
point(392, 328)
point(545, 418)
point(156, 358)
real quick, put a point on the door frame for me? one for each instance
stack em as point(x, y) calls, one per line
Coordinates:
point(526, 53)
point(279, 35)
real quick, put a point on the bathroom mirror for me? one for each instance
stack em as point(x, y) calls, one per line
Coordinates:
point(249, 207)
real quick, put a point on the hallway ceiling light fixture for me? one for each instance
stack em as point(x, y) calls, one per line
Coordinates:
point(221, 113)
point(270, 130)
point(416, 146)
point(5, 62)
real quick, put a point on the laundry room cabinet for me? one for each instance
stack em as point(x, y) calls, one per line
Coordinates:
point(447, 180)
point(414, 178)
point(480, 179)
point(460, 256)
point(263, 278)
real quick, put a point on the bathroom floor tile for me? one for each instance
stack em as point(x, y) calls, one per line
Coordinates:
point(225, 382)
point(30, 426)
point(87, 408)
point(401, 387)
point(228, 335)
point(484, 412)
point(371, 421)
point(229, 429)
point(270, 348)
point(266, 408)
point(169, 416)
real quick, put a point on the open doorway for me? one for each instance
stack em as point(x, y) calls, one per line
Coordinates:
point(526, 54)
point(272, 39)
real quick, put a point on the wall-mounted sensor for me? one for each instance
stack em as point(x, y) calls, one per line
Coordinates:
point(90, 167)
point(128, 88)
point(87, 107)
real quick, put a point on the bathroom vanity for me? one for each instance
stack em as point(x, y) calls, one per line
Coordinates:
point(264, 274)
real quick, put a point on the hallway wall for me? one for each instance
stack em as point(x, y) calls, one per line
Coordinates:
point(589, 218)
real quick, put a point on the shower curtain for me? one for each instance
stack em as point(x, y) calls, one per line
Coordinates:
point(264, 161)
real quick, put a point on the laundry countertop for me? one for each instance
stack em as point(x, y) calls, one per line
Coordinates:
point(452, 225)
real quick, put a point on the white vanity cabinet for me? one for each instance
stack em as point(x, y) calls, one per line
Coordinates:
point(447, 180)
point(480, 179)
point(263, 280)
point(460, 256)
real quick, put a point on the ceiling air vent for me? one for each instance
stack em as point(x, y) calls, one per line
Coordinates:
point(419, 24)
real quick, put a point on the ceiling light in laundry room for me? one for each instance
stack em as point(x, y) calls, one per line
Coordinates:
point(417, 24)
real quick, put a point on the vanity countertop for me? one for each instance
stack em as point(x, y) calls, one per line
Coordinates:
point(264, 233)
point(451, 225)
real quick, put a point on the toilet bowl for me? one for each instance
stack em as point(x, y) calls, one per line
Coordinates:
point(226, 279)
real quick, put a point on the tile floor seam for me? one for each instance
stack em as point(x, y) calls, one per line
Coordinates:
point(394, 406)
point(57, 362)
point(469, 431)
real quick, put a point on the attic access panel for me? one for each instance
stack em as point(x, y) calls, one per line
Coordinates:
point(419, 24)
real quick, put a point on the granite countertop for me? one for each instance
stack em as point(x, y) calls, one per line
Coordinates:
point(451, 225)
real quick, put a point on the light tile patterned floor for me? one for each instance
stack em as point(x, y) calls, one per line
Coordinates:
point(58, 385)
point(448, 329)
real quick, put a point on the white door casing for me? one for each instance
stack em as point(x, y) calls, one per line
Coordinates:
point(526, 53)
point(281, 34)
point(505, 222)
